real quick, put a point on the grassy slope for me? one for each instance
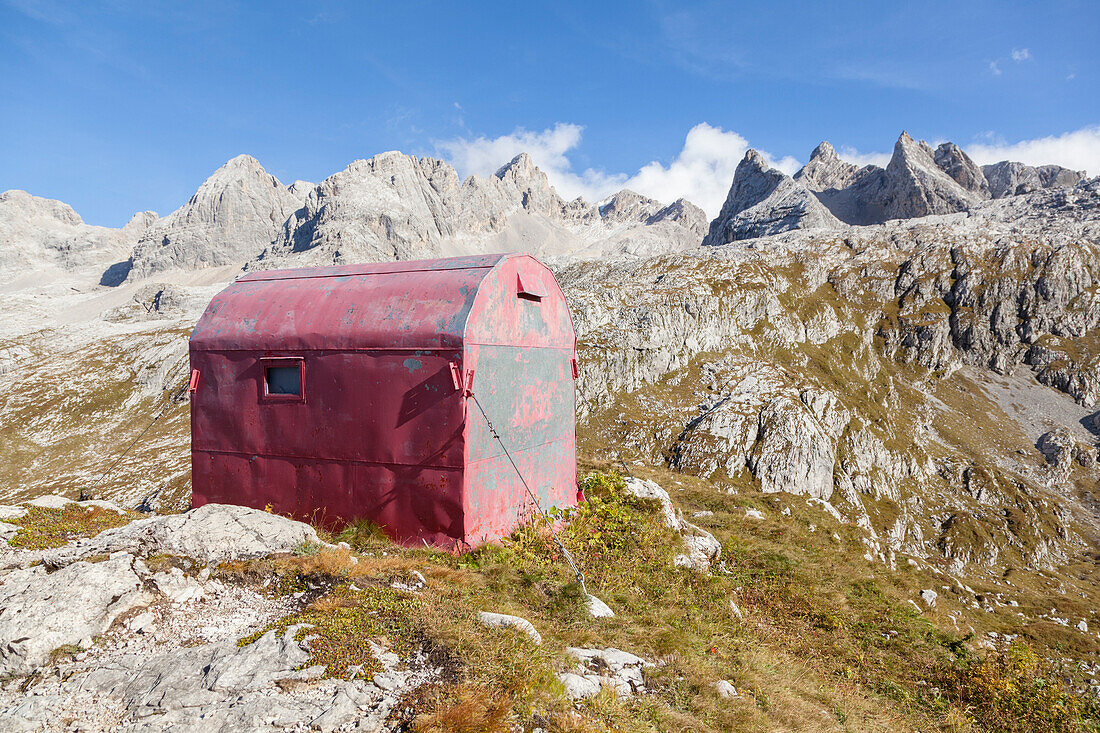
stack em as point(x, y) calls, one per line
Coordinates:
point(828, 640)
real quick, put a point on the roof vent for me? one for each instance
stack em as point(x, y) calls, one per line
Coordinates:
point(529, 290)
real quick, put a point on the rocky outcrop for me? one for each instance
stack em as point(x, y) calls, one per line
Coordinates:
point(41, 611)
point(619, 671)
point(792, 453)
point(123, 648)
point(1062, 450)
point(703, 549)
point(235, 213)
point(954, 162)
point(1009, 178)
point(763, 201)
point(705, 362)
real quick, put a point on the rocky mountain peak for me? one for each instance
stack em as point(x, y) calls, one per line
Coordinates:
point(826, 170)
point(139, 222)
point(521, 166)
point(626, 205)
point(824, 152)
point(28, 206)
point(954, 162)
point(242, 162)
point(684, 213)
point(1009, 178)
point(526, 181)
point(917, 186)
point(237, 211)
point(301, 189)
point(763, 201)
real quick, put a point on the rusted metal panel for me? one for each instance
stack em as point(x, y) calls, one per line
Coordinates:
point(378, 423)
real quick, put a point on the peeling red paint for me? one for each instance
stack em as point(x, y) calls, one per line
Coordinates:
point(389, 353)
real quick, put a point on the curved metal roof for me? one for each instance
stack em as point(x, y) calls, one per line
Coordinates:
point(419, 304)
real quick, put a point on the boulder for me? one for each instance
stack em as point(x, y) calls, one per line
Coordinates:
point(597, 608)
point(725, 689)
point(651, 491)
point(702, 548)
point(212, 533)
point(503, 620)
point(50, 501)
point(621, 671)
point(578, 687)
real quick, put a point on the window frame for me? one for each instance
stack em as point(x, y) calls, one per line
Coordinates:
point(282, 362)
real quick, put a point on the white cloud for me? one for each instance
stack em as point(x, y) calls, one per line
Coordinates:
point(994, 68)
point(702, 171)
point(1079, 150)
point(1021, 54)
point(854, 156)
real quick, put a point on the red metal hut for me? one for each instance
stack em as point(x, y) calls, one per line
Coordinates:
point(335, 393)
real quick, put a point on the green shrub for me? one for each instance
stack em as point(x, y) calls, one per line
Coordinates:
point(1012, 690)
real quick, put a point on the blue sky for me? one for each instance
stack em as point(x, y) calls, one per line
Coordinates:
point(122, 106)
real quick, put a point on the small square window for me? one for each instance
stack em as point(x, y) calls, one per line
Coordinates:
point(283, 380)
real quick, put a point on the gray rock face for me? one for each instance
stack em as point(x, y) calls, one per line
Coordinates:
point(701, 361)
point(763, 201)
point(826, 170)
point(686, 214)
point(917, 182)
point(191, 677)
point(916, 186)
point(234, 214)
point(396, 206)
point(792, 453)
point(1062, 450)
point(965, 172)
point(41, 611)
point(38, 234)
point(1055, 176)
point(1009, 178)
point(628, 206)
point(211, 533)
